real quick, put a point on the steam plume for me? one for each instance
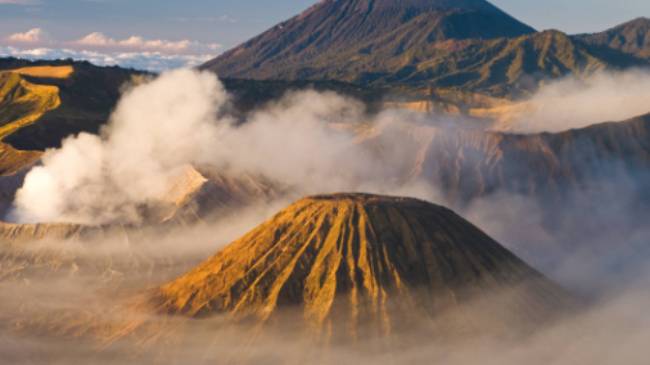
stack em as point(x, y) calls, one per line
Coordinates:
point(575, 103)
point(306, 141)
point(156, 130)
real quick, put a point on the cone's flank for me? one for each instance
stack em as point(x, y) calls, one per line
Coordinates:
point(357, 259)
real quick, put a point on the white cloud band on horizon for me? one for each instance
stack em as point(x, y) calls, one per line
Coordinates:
point(150, 61)
point(134, 51)
point(99, 40)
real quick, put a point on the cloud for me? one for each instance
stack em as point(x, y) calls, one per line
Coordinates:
point(99, 40)
point(35, 35)
point(134, 51)
point(151, 61)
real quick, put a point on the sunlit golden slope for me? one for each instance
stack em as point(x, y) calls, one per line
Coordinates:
point(21, 103)
point(52, 72)
point(13, 160)
point(203, 193)
point(87, 93)
point(20, 233)
point(356, 260)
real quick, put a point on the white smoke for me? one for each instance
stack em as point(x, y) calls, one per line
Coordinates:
point(313, 142)
point(579, 102)
point(307, 141)
point(291, 141)
point(155, 131)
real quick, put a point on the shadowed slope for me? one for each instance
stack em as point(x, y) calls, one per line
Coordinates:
point(468, 164)
point(21, 104)
point(360, 260)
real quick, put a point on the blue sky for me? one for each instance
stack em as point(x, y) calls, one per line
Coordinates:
point(208, 27)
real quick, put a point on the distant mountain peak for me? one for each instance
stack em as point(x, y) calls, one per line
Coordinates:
point(640, 21)
point(334, 29)
point(631, 38)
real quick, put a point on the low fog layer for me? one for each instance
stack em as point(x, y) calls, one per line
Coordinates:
point(575, 102)
point(82, 313)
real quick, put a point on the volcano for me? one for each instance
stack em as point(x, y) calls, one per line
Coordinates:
point(468, 45)
point(362, 34)
point(350, 261)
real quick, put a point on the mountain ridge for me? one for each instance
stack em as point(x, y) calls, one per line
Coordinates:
point(631, 38)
